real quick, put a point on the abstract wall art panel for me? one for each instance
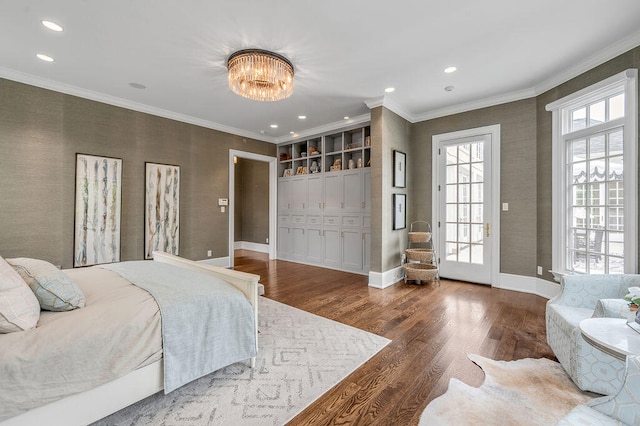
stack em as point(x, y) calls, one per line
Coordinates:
point(162, 209)
point(98, 208)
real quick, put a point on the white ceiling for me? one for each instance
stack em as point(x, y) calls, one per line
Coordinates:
point(344, 52)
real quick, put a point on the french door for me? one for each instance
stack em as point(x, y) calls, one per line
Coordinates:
point(464, 227)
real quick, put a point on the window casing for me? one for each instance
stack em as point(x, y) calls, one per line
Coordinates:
point(595, 178)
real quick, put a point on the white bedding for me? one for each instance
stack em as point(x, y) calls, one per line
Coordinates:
point(71, 352)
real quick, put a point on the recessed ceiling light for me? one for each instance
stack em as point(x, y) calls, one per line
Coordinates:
point(52, 26)
point(44, 57)
point(291, 133)
point(346, 117)
point(449, 70)
point(302, 117)
point(389, 89)
point(449, 89)
point(137, 86)
point(274, 126)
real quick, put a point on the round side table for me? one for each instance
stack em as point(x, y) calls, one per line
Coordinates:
point(612, 336)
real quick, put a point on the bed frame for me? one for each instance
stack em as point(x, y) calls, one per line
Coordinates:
point(87, 407)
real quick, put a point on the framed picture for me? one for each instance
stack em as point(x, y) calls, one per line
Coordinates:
point(399, 169)
point(287, 173)
point(98, 207)
point(162, 209)
point(399, 211)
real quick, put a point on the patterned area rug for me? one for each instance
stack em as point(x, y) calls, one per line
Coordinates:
point(519, 393)
point(300, 357)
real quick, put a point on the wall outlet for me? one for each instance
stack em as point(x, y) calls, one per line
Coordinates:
point(209, 253)
point(267, 241)
point(539, 270)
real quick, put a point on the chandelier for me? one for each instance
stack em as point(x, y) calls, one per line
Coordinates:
point(260, 75)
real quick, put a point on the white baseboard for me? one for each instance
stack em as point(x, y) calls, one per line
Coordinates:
point(531, 285)
point(385, 279)
point(224, 262)
point(247, 245)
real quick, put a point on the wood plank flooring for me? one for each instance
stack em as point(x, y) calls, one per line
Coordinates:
point(432, 329)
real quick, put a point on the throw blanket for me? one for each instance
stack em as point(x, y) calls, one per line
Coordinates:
point(207, 323)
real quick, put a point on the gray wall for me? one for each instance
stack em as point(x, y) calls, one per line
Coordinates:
point(389, 132)
point(517, 175)
point(525, 181)
point(251, 220)
point(40, 133)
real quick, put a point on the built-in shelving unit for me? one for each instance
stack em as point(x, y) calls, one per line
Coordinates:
point(324, 193)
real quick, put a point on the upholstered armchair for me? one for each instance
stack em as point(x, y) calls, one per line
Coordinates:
point(589, 368)
point(623, 408)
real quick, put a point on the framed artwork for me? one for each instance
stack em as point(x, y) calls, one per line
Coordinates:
point(399, 169)
point(98, 206)
point(162, 209)
point(399, 211)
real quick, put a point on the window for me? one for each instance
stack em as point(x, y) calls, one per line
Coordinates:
point(594, 160)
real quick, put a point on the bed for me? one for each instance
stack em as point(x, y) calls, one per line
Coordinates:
point(132, 361)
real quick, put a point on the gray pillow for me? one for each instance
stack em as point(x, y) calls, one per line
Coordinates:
point(53, 288)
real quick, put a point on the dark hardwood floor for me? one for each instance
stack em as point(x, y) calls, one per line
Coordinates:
point(431, 330)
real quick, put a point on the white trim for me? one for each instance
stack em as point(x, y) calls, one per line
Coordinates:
point(273, 198)
point(248, 245)
point(628, 78)
point(531, 285)
point(326, 128)
point(391, 105)
point(386, 279)
point(223, 262)
point(437, 140)
point(124, 103)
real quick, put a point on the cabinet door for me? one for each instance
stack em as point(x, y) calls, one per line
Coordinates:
point(284, 242)
point(299, 192)
point(352, 249)
point(284, 194)
point(298, 243)
point(333, 192)
point(314, 246)
point(314, 185)
point(332, 245)
point(352, 191)
point(366, 189)
point(366, 242)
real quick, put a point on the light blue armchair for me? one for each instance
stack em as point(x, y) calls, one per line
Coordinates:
point(589, 368)
point(623, 408)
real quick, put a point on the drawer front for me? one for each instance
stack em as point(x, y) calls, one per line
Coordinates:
point(331, 220)
point(367, 222)
point(298, 218)
point(351, 221)
point(284, 219)
point(314, 220)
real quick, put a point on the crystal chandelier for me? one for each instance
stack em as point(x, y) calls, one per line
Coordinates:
point(260, 75)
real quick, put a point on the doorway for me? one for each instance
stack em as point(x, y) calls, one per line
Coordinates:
point(466, 196)
point(272, 209)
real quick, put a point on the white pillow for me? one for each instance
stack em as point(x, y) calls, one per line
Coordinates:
point(53, 288)
point(19, 308)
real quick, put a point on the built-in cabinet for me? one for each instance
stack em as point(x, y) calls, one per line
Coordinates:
point(324, 200)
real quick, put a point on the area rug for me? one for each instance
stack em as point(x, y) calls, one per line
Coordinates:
point(523, 392)
point(300, 357)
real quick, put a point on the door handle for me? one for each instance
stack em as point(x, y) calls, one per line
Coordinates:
point(486, 229)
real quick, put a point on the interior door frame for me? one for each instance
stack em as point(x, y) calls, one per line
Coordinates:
point(436, 144)
point(273, 199)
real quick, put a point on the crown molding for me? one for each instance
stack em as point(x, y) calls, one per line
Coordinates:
point(325, 128)
point(43, 83)
point(391, 105)
point(477, 104)
point(616, 49)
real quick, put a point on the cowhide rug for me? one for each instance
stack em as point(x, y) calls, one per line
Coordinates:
point(523, 392)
